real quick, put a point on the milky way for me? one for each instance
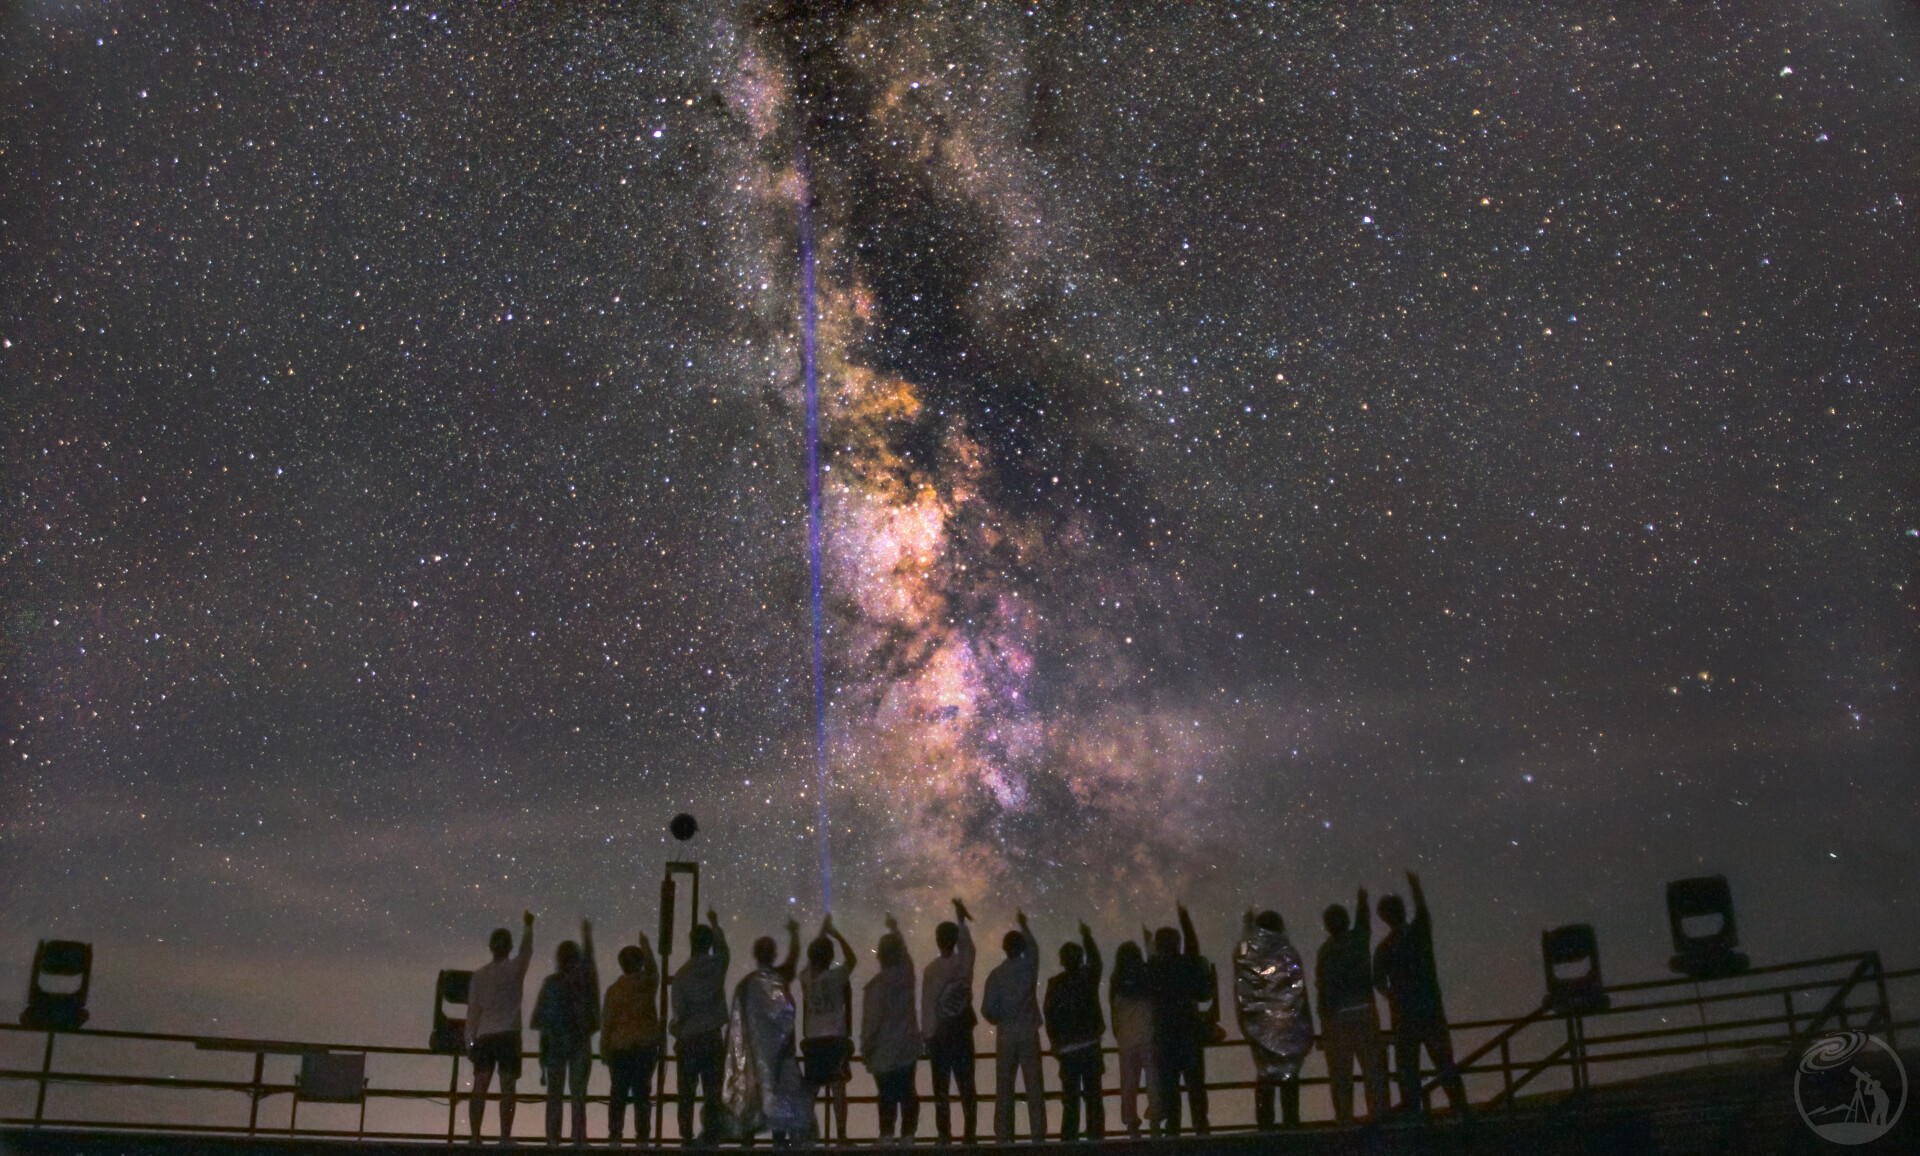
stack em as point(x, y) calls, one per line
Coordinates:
point(1263, 448)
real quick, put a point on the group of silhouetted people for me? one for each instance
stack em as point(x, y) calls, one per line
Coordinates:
point(762, 1059)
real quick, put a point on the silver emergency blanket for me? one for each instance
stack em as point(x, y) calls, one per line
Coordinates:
point(761, 1083)
point(1270, 994)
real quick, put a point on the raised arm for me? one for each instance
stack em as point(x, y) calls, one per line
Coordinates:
point(793, 950)
point(1363, 918)
point(846, 949)
point(1026, 932)
point(964, 948)
point(586, 952)
point(1419, 897)
point(526, 936)
point(1092, 949)
point(720, 947)
point(1189, 938)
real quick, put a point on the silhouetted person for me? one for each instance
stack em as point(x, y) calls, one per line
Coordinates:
point(763, 1086)
point(1873, 1090)
point(1131, 999)
point(1270, 998)
point(566, 1014)
point(1008, 1004)
point(1074, 1026)
point(630, 1039)
point(890, 1035)
point(1403, 971)
point(947, 1021)
point(493, 1024)
point(1180, 980)
point(700, 1026)
point(1349, 1022)
point(826, 1041)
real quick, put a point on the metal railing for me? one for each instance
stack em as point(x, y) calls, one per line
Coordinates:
point(1767, 1011)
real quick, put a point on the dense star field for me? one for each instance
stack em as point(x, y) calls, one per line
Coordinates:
point(1266, 447)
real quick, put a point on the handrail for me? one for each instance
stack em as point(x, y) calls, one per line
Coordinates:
point(1788, 1029)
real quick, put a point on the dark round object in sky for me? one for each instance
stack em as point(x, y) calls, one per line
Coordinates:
point(683, 827)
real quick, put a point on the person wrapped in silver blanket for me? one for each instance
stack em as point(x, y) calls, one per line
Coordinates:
point(1270, 996)
point(762, 1085)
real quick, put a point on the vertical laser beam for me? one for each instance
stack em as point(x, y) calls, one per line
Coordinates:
point(813, 505)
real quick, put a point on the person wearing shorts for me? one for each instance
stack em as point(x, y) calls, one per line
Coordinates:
point(826, 1042)
point(493, 1025)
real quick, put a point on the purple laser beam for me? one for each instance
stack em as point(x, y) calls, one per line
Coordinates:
point(813, 505)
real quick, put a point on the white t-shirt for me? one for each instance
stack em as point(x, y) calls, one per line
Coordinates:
point(828, 993)
point(493, 998)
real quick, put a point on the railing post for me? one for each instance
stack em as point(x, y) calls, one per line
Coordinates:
point(453, 1098)
point(46, 1068)
point(253, 1093)
point(1506, 1071)
point(1880, 983)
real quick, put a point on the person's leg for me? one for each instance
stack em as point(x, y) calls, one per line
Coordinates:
point(1069, 1099)
point(1130, 1071)
point(909, 1104)
point(1439, 1041)
point(942, 1074)
point(1406, 1054)
point(838, 1091)
point(643, 1065)
point(712, 1059)
point(686, 1080)
point(1337, 1042)
point(1262, 1100)
point(1036, 1088)
point(556, 1072)
point(1290, 1102)
point(1167, 1079)
point(889, 1105)
point(1006, 1061)
point(509, 1103)
point(619, 1092)
point(477, 1107)
point(964, 1080)
point(579, 1067)
point(1197, 1091)
point(1096, 1097)
point(1373, 1066)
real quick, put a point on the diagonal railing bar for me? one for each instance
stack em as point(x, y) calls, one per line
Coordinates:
point(1836, 1005)
point(1552, 1059)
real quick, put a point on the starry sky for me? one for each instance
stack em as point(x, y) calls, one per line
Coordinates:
point(1265, 448)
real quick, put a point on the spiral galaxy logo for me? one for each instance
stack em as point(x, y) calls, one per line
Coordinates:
point(1850, 1087)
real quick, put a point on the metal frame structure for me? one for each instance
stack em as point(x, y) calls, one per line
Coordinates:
point(1852, 991)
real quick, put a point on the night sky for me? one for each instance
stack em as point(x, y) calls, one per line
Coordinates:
point(1266, 448)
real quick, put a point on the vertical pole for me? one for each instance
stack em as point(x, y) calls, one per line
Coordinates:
point(1700, 1009)
point(453, 1098)
point(253, 1093)
point(1880, 982)
point(46, 1068)
point(666, 981)
point(1506, 1070)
